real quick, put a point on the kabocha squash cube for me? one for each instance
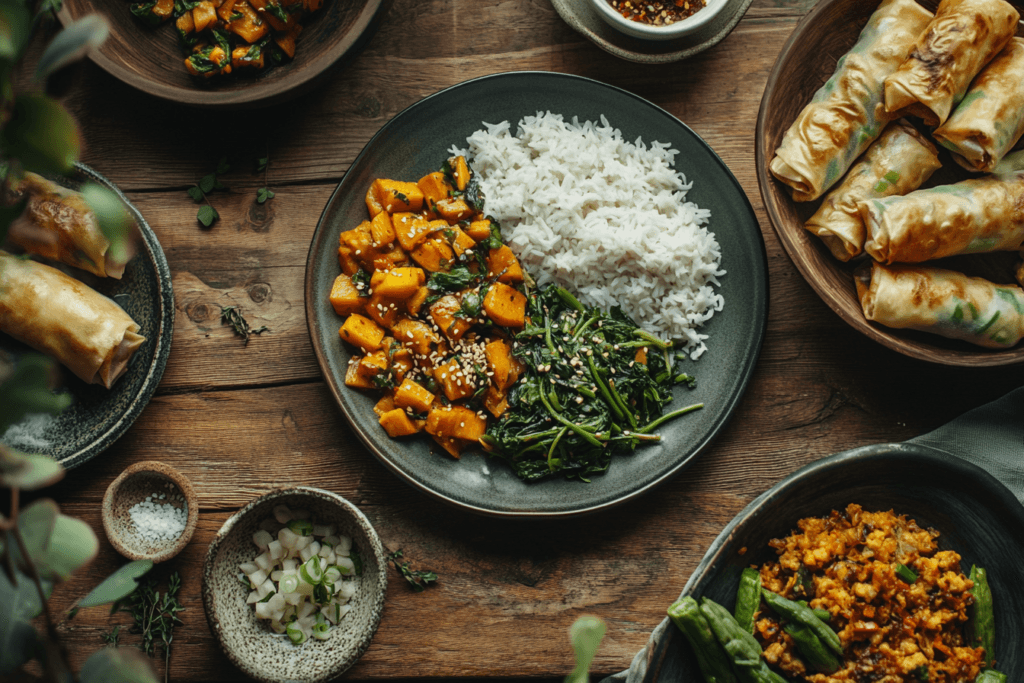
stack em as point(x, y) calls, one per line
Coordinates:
point(456, 422)
point(443, 313)
point(382, 231)
point(454, 447)
point(434, 188)
point(415, 334)
point(352, 376)
point(454, 209)
point(345, 296)
point(397, 423)
point(412, 395)
point(502, 262)
point(362, 332)
point(461, 242)
point(415, 302)
point(383, 310)
point(434, 255)
point(495, 401)
point(372, 364)
point(505, 305)
point(499, 359)
point(410, 229)
point(203, 15)
point(479, 230)
point(460, 172)
point(385, 404)
point(397, 196)
point(347, 261)
point(400, 283)
point(453, 381)
point(287, 41)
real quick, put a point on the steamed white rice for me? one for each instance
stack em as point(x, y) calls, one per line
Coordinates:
point(603, 217)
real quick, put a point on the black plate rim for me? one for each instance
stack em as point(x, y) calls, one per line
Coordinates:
point(730, 403)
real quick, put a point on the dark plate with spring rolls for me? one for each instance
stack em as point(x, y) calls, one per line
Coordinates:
point(975, 515)
point(84, 316)
point(828, 60)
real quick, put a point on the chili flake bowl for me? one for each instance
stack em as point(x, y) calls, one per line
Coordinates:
point(164, 486)
point(247, 641)
point(638, 29)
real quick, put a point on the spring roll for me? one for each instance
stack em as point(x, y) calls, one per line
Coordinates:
point(989, 121)
point(847, 113)
point(943, 302)
point(964, 36)
point(58, 224)
point(971, 217)
point(896, 163)
point(60, 316)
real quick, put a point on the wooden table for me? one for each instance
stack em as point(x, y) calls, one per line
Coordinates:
point(241, 420)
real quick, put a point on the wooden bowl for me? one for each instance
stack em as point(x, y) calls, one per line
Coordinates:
point(151, 60)
point(805, 63)
point(143, 480)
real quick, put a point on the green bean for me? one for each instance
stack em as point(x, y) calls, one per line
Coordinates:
point(982, 624)
point(990, 676)
point(742, 647)
point(822, 614)
point(748, 598)
point(794, 611)
point(711, 658)
point(906, 573)
point(811, 649)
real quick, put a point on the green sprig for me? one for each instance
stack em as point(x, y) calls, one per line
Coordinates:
point(417, 579)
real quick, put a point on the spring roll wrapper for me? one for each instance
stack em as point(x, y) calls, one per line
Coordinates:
point(989, 121)
point(847, 113)
point(944, 302)
point(62, 317)
point(58, 224)
point(964, 36)
point(970, 217)
point(898, 162)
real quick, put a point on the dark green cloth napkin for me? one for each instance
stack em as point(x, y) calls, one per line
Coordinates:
point(991, 437)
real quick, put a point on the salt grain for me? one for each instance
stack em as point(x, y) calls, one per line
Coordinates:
point(158, 521)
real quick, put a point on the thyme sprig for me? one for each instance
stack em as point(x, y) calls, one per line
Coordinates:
point(418, 579)
point(232, 315)
point(155, 616)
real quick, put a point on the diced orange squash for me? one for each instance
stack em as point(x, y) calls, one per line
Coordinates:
point(461, 241)
point(397, 196)
point(362, 332)
point(434, 188)
point(410, 228)
point(241, 58)
point(452, 446)
point(383, 310)
point(347, 261)
point(412, 395)
point(163, 9)
point(454, 209)
point(443, 311)
point(397, 256)
point(287, 41)
point(353, 378)
point(372, 364)
point(345, 296)
point(433, 255)
point(184, 24)
point(460, 172)
point(382, 232)
point(275, 23)
point(386, 403)
point(454, 382)
point(415, 334)
point(250, 26)
point(505, 306)
point(415, 302)
point(376, 278)
point(503, 263)
point(456, 422)
point(641, 355)
point(397, 423)
point(479, 230)
point(373, 204)
point(360, 242)
point(204, 14)
point(499, 358)
point(226, 9)
point(401, 363)
point(495, 401)
point(400, 283)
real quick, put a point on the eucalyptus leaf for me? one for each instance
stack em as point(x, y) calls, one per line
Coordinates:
point(15, 28)
point(19, 604)
point(72, 44)
point(72, 545)
point(586, 634)
point(41, 134)
point(118, 585)
point(28, 471)
point(36, 523)
point(117, 665)
point(207, 182)
point(195, 193)
point(27, 390)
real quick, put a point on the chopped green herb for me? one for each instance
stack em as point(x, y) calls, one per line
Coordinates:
point(417, 579)
point(232, 315)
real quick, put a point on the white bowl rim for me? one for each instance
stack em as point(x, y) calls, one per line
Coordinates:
point(689, 25)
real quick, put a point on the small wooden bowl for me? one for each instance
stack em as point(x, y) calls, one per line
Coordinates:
point(805, 63)
point(151, 60)
point(247, 641)
point(135, 484)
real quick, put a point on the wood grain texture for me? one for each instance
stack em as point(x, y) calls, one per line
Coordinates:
point(241, 420)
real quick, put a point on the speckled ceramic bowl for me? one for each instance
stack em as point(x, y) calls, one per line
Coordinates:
point(248, 642)
point(166, 486)
point(691, 24)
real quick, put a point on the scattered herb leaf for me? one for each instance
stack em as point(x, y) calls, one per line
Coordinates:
point(207, 215)
point(263, 194)
point(232, 315)
point(155, 616)
point(418, 579)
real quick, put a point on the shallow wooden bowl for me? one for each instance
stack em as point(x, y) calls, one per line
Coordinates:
point(805, 63)
point(151, 60)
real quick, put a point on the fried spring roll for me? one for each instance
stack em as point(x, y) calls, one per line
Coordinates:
point(970, 217)
point(58, 224)
point(60, 316)
point(964, 36)
point(898, 162)
point(990, 119)
point(943, 302)
point(847, 113)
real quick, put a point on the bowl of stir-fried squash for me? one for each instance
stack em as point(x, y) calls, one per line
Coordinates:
point(227, 53)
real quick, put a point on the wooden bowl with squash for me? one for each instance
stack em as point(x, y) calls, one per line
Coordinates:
point(151, 58)
point(806, 62)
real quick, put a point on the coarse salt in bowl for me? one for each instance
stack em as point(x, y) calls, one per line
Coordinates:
point(150, 512)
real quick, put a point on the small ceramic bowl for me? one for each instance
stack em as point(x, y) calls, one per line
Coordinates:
point(247, 641)
point(148, 534)
point(637, 29)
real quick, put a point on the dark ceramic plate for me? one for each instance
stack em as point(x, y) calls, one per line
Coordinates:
point(973, 512)
point(416, 142)
point(99, 416)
